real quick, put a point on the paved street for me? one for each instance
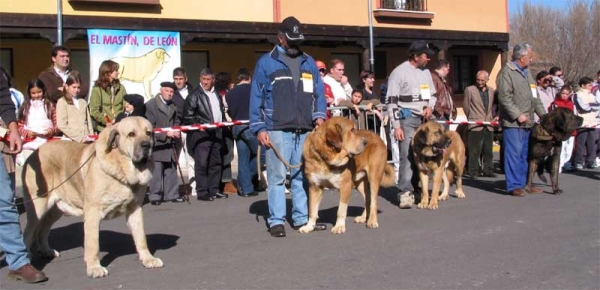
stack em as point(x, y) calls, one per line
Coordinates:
point(486, 241)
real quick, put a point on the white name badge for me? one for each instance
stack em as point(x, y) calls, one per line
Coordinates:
point(307, 83)
point(533, 91)
point(425, 92)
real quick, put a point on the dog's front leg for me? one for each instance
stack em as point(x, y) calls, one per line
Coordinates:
point(315, 193)
point(533, 164)
point(135, 221)
point(437, 181)
point(424, 190)
point(340, 223)
point(91, 226)
point(555, 168)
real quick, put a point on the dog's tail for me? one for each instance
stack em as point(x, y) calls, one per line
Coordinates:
point(389, 176)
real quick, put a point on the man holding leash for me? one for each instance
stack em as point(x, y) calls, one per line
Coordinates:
point(11, 239)
point(410, 100)
point(287, 100)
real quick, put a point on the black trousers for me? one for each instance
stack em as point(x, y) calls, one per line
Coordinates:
point(208, 166)
point(480, 143)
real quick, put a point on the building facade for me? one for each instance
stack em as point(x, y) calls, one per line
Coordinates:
point(229, 34)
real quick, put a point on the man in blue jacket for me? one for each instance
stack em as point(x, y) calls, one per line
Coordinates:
point(287, 100)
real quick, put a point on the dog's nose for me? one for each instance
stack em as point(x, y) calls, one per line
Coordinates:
point(145, 144)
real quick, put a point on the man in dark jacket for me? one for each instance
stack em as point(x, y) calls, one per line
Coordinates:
point(180, 79)
point(203, 106)
point(54, 77)
point(162, 113)
point(11, 239)
point(287, 99)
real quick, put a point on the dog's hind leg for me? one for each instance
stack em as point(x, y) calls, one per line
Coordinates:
point(45, 225)
point(459, 167)
point(315, 193)
point(360, 187)
point(135, 221)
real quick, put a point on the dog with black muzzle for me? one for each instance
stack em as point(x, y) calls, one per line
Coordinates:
point(442, 153)
point(545, 145)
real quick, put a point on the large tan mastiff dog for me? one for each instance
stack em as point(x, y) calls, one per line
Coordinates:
point(101, 180)
point(442, 153)
point(336, 155)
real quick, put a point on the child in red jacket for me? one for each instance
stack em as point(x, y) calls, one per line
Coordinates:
point(563, 100)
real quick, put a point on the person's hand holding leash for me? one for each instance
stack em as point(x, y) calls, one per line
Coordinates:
point(264, 139)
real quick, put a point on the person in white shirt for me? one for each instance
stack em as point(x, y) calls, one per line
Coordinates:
point(342, 90)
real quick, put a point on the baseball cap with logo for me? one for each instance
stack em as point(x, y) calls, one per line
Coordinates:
point(418, 47)
point(291, 28)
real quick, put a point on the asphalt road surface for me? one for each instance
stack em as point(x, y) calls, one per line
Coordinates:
point(487, 241)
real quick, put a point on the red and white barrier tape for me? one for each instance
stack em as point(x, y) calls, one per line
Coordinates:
point(161, 130)
point(495, 123)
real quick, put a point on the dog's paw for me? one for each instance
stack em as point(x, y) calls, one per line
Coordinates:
point(338, 230)
point(443, 197)
point(432, 205)
point(372, 225)
point(423, 205)
point(48, 253)
point(460, 194)
point(152, 263)
point(306, 229)
point(360, 219)
point(96, 271)
point(558, 191)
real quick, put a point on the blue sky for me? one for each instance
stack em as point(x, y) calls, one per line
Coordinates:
point(513, 5)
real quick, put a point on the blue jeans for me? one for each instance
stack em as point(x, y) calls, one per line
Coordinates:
point(516, 142)
point(246, 148)
point(11, 239)
point(406, 179)
point(289, 145)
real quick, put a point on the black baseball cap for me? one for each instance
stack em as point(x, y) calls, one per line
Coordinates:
point(418, 47)
point(291, 28)
point(168, 85)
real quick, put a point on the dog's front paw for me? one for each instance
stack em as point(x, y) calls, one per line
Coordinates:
point(443, 197)
point(558, 191)
point(96, 271)
point(460, 194)
point(152, 263)
point(372, 224)
point(49, 253)
point(306, 229)
point(338, 230)
point(360, 219)
point(423, 204)
point(432, 205)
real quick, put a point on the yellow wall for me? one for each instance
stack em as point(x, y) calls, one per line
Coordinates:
point(227, 10)
point(462, 15)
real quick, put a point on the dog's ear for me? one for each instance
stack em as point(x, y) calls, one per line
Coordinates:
point(421, 136)
point(551, 120)
point(159, 53)
point(113, 139)
point(334, 137)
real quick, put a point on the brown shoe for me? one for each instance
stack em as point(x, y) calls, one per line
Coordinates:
point(533, 190)
point(229, 188)
point(517, 192)
point(28, 274)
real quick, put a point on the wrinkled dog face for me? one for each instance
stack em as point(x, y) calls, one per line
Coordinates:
point(134, 137)
point(432, 138)
point(341, 135)
point(561, 123)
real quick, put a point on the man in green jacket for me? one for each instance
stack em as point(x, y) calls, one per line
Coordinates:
point(518, 100)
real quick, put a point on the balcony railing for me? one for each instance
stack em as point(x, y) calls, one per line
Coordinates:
point(407, 5)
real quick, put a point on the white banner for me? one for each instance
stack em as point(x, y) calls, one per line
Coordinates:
point(145, 58)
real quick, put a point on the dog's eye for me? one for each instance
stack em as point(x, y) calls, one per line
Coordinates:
point(437, 133)
point(131, 134)
point(148, 133)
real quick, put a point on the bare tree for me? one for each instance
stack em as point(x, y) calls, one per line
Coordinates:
point(568, 38)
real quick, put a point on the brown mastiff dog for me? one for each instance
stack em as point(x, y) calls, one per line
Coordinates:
point(338, 156)
point(442, 153)
point(545, 144)
point(101, 180)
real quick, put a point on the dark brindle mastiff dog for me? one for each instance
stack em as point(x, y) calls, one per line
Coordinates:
point(545, 144)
